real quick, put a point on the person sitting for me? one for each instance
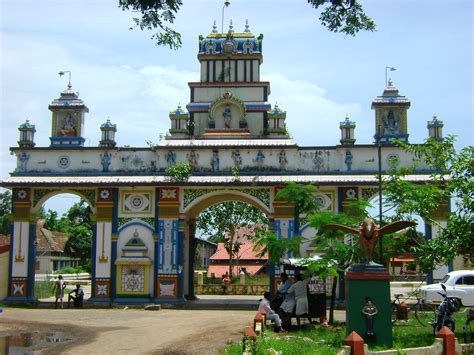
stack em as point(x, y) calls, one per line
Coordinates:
point(264, 307)
point(77, 297)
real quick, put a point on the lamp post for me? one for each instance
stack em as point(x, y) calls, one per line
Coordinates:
point(226, 4)
point(386, 69)
point(378, 142)
point(62, 72)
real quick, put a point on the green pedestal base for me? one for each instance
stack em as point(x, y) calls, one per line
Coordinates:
point(369, 281)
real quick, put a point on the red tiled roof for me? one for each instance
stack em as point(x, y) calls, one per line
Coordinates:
point(221, 269)
point(48, 241)
point(4, 243)
point(246, 252)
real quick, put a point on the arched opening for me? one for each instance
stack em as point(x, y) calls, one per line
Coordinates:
point(64, 228)
point(221, 227)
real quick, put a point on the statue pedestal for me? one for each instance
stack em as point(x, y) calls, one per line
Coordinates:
point(364, 282)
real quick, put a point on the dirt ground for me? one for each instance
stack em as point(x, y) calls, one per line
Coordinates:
point(131, 331)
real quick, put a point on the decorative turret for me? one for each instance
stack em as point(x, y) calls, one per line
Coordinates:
point(108, 130)
point(27, 134)
point(276, 122)
point(180, 127)
point(347, 131)
point(435, 128)
point(391, 115)
point(68, 119)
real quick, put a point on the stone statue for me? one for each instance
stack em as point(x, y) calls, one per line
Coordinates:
point(170, 158)
point(227, 114)
point(68, 126)
point(391, 123)
point(369, 233)
point(237, 158)
point(215, 160)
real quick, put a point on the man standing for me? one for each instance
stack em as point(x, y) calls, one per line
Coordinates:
point(299, 289)
point(59, 287)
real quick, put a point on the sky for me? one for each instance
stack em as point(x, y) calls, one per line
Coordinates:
point(315, 75)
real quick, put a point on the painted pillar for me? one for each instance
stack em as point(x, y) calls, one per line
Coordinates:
point(169, 278)
point(191, 257)
point(22, 248)
point(102, 255)
point(283, 227)
point(440, 217)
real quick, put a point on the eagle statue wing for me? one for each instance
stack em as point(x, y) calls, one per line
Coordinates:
point(342, 227)
point(396, 226)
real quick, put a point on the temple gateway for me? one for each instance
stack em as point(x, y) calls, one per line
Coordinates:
point(238, 146)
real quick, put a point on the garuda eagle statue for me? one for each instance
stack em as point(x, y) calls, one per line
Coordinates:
point(369, 233)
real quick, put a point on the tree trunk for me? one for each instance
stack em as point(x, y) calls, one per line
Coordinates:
point(333, 299)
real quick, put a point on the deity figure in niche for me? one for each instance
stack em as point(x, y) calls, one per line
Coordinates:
point(227, 114)
point(68, 126)
point(348, 160)
point(282, 160)
point(170, 158)
point(105, 161)
point(23, 161)
point(259, 159)
point(390, 123)
point(215, 160)
point(237, 158)
point(193, 159)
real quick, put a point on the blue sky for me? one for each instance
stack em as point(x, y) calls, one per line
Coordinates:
point(316, 75)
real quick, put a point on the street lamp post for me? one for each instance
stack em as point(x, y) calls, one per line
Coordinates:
point(226, 4)
point(378, 142)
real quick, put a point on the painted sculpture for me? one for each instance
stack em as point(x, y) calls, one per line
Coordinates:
point(369, 233)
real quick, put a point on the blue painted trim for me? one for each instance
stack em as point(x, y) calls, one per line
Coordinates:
point(291, 233)
point(133, 300)
point(161, 241)
point(31, 260)
point(136, 223)
point(180, 236)
point(19, 299)
point(277, 228)
point(94, 258)
point(10, 261)
point(98, 300)
point(115, 197)
point(176, 242)
point(113, 271)
point(157, 244)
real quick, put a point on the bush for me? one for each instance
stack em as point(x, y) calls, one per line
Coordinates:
point(72, 270)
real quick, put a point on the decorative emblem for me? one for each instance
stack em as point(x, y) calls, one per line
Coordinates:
point(21, 194)
point(259, 159)
point(135, 202)
point(104, 194)
point(168, 194)
point(64, 161)
point(102, 290)
point(351, 193)
point(215, 160)
point(237, 158)
point(18, 289)
point(23, 161)
point(324, 201)
point(167, 289)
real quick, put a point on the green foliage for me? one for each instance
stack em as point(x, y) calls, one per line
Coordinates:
point(275, 247)
point(72, 270)
point(346, 16)
point(5, 210)
point(56, 224)
point(79, 242)
point(156, 15)
point(180, 171)
point(451, 181)
point(44, 289)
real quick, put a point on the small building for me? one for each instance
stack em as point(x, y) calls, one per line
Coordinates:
point(4, 268)
point(204, 250)
point(50, 250)
point(246, 259)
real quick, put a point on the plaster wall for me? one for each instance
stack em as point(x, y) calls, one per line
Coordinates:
point(4, 270)
point(103, 249)
point(209, 94)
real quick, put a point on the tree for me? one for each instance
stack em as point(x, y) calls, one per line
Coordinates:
point(5, 210)
point(79, 242)
point(302, 196)
point(80, 213)
point(346, 16)
point(56, 224)
point(220, 222)
point(452, 180)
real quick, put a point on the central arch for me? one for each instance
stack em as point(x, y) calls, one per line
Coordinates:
point(192, 211)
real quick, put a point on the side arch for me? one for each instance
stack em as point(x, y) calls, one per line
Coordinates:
point(41, 196)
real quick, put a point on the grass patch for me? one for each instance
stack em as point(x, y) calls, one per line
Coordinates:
point(44, 289)
point(322, 340)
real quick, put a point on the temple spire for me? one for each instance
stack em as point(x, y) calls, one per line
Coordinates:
point(247, 27)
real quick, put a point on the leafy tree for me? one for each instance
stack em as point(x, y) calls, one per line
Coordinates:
point(345, 16)
point(56, 224)
point(221, 221)
point(79, 242)
point(5, 210)
point(302, 196)
point(451, 181)
point(179, 171)
point(80, 213)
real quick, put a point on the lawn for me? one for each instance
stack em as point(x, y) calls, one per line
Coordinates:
point(322, 340)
